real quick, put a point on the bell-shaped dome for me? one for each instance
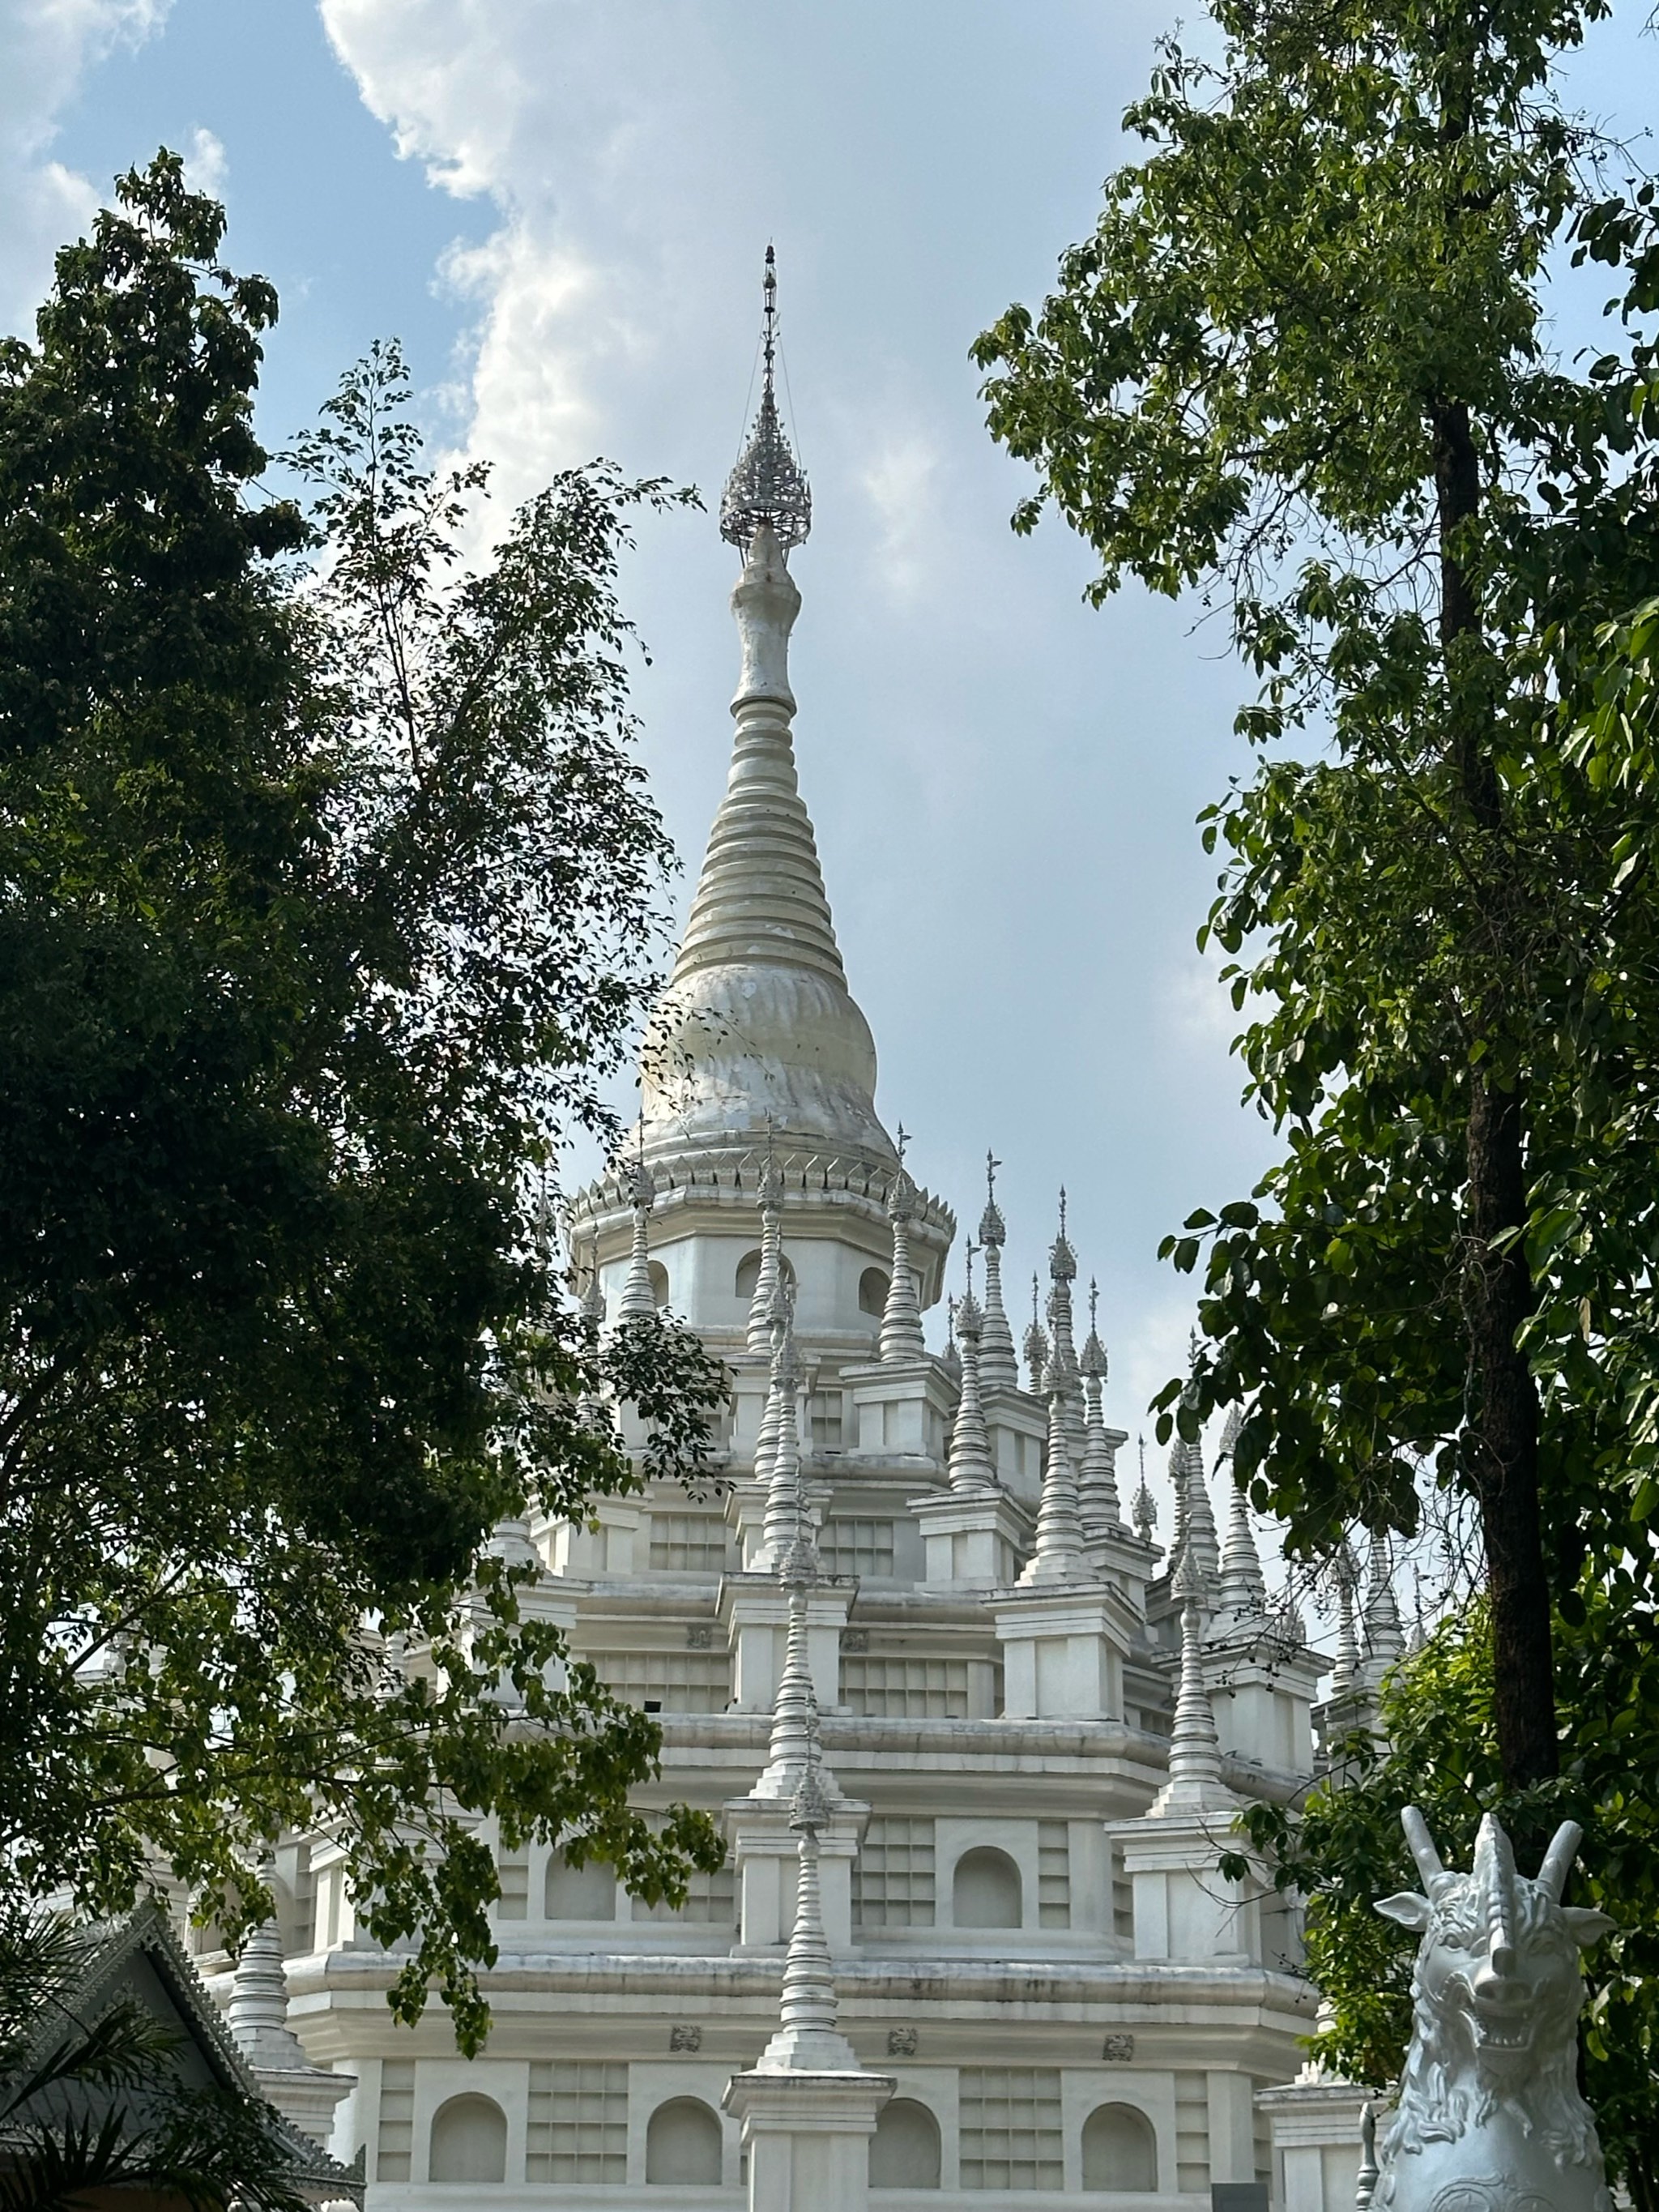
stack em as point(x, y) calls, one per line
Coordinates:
point(757, 1028)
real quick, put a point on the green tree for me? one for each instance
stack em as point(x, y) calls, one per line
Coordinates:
point(1345, 1850)
point(1303, 364)
point(326, 874)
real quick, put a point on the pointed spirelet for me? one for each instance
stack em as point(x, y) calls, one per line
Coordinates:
point(1144, 1509)
point(1345, 1674)
point(767, 488)
point(794, 1746)
point(766, 1437)
point(1062, 1273)
point(756, 1027)
point(952, 1358)
point(258, 2004)
point(1195, 1520)
point(901, 1336)
point(1058, 1555)
point(794, 1706)
point(782, 1525)
point(1195, 1784)
point(808, 2039)
point(770, 1278)
point(1242, 1590)
point(638, 1299)
point(1385, 1640)
point(595, 1412)
point(1102, 1509)
point(593, 1298)
point(1036, 1344)
point(999, 1368)
point(971, 1465)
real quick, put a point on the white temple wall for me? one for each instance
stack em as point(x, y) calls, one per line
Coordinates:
point(1012, 2130)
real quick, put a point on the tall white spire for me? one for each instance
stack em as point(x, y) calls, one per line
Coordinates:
point(1196, 1529)
point(971, 1465)
point(901, 1336)
point(781, 1526)
point(1345, 1674)
point(1195, 1784)
point(638, 1297)
point(1058, 1555)
point(259, 2002)
point(1385, 1641)
point(999, 1370)
point(782, 1383)
point(808, 2039)
point(1100, 1506)
point(1146, 1506)
point(1036, 1344)
point(1062, 1273)
point(790, 1549)
point(769, 1280)
point(595, 1412)
point(756, 1023)
point(1242, 1592)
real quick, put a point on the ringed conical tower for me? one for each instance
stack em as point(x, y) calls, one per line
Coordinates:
point(757, 1051)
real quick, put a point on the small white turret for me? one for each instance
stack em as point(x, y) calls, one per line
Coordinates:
point(809, 2039)
point(1059, 1555)
point(1036, 1343)
point(1196, 1529)
point(1144, 1509)
point(1101, 1507)
point(1345, 1674)
point(1194, 1784)
point(638, 1299)
point(901, 1337)
point(999, 1370)
point(971, 1465)
point(304, 2094)
point(770, 1279)
point(1241, 1591)
point(1385, 1640)
point(781, 1526)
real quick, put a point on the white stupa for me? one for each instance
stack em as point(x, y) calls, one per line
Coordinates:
point(923, 1667)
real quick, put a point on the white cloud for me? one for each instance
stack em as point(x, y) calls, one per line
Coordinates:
point(1197, 1006)
point(537, 351)
point(443, 75)
point(901, 483)
point(48, 46)
point(612, 145)
point(207, 168)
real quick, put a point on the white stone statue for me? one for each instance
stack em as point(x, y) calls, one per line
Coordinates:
point(1488, 2117)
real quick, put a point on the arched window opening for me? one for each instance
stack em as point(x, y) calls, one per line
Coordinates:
point(749, 1269)
point(659, 1274)
point(469, 2142)
point(872, 1291)
point(683, 2145)
point(1119, 2150)
point(587, 1892)
point(986, 1893)
point(904, 2152)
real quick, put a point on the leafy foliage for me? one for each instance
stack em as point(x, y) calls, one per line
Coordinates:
point(1305, 361)
point(1346, 1850)
point(325, 903)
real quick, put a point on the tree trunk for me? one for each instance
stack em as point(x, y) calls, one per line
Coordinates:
point(1496, 1286)
point(1497, 1299)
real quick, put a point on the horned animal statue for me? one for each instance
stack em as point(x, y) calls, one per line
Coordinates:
point(1489, 2118)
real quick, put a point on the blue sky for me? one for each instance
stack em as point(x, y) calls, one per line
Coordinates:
point(560, 206)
